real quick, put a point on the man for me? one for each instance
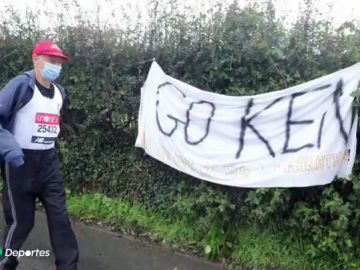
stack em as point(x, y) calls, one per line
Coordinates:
point(30, 107)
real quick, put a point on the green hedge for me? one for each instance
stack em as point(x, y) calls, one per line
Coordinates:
point(228, 50)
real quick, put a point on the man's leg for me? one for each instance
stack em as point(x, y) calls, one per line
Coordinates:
point(52, 196)
point(19, 211)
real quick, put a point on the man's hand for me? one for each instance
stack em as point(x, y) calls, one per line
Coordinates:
point(17, 162)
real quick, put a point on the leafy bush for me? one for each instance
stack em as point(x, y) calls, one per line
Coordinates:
point(226, 49)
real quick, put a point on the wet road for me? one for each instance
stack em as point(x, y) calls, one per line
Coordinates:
point(100, 249)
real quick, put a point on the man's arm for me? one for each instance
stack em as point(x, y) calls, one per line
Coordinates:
point(10, 150)
point(64, 112)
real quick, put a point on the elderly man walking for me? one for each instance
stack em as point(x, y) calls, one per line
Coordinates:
point(30, 106)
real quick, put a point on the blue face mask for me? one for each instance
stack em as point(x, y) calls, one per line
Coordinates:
point(50, 71)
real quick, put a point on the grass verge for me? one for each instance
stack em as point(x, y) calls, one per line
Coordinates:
point(253, 249)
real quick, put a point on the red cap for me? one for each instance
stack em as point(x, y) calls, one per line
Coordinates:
point(48, 47)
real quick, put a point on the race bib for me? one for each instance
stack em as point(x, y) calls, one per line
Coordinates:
point(46, 128)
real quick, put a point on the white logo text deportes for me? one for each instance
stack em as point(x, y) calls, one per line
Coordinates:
point(27, 253)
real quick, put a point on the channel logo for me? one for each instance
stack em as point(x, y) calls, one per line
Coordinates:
point(24, 253)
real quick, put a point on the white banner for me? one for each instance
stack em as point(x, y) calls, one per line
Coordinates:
point(301, 136)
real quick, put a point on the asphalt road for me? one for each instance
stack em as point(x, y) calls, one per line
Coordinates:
point(100, 250)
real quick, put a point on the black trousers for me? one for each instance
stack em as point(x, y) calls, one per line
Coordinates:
point(40, 177)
